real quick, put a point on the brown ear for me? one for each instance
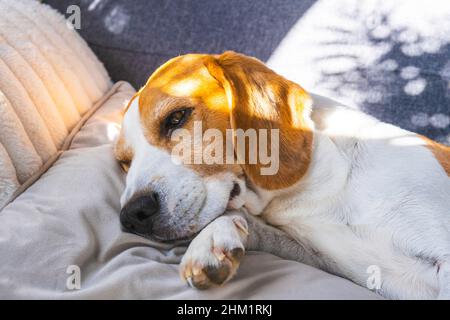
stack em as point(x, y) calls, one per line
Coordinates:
point(259, 98)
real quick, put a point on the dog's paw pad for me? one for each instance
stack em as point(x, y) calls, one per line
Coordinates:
point(213, 257)
point(218, 274)
point(236, 254)
point(218, 268)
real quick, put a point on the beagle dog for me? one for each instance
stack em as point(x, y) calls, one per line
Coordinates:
point(351, 194)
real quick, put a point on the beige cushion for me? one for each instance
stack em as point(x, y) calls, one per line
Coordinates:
point(49, 79)
point(70, 216)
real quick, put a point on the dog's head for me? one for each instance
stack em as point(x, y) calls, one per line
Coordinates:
point(182, 175)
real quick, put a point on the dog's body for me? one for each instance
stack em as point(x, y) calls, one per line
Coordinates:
point(355, 193)
point(374, 195)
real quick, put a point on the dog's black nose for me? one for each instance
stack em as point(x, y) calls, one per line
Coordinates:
point(136, 215)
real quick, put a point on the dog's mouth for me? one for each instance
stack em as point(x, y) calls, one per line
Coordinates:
point(169, 240)
point(165, 234)
point(174, 241)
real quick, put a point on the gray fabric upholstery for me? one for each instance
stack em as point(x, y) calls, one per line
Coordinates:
point(398, 72)
point(134, 37)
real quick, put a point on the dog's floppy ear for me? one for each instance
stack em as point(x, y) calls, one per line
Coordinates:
point(259, 98)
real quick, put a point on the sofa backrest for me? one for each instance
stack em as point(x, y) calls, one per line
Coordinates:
point(135, 37)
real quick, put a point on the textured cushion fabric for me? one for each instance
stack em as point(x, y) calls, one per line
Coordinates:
point(49, 78)
point(70, 217)
point(389, 58)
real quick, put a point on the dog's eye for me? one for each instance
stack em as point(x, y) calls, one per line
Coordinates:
point(175, 120)
point(176, 117)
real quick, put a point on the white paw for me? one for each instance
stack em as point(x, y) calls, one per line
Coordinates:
point(214, 255)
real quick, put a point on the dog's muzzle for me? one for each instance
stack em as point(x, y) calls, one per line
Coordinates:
point(137, 215)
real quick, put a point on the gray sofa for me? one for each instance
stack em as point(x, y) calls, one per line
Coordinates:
point(388, 58)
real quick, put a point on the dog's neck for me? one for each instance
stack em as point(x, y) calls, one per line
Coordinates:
point(327, 173)
point(326, 176)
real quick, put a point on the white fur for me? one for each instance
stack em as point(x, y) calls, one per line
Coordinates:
point(374, 195)
point(184, 195)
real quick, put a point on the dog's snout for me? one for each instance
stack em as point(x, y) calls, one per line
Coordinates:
point(137, 213)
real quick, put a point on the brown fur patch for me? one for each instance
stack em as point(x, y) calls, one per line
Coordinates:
point(231, 91)
point(441, 152)
point(261, 99)
point(123, 153)
point(185, 82)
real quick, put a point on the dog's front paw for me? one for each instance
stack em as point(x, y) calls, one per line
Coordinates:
point(214, 255)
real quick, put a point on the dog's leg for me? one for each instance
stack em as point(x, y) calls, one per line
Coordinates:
point(213, 257)
point(266, 238)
